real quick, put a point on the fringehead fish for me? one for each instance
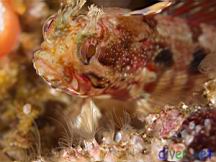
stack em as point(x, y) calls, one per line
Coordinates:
point(156, 52)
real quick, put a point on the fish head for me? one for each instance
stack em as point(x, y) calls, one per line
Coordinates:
point(67, 58)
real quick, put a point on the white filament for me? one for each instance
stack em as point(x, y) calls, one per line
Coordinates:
point(154, 9)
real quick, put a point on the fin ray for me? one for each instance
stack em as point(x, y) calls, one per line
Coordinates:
point(153, 9)
point(196, 12)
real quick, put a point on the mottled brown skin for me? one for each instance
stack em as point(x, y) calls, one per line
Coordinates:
point(125, 56)
point(124, 51)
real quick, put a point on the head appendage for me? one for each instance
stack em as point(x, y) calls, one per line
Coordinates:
point(75, 4)
point(93, 16)
point(72, 8)
point(154, 9)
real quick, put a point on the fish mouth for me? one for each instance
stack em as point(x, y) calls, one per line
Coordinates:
point(55, 77)
point(63, 78)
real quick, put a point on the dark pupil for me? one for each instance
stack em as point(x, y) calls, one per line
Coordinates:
point(91, 52)
point(87, 52)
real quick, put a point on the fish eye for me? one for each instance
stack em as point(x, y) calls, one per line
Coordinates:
point(87, 50)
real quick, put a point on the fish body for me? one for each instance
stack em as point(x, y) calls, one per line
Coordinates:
point(122, 54)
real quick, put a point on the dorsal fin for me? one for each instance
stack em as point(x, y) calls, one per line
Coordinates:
point(153, 9)
point(196, 12)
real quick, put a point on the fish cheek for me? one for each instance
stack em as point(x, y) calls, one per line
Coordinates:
point(97, 81)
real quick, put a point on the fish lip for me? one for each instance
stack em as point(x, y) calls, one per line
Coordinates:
point(55, 80)
point(78, 85)
point(37, 64)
